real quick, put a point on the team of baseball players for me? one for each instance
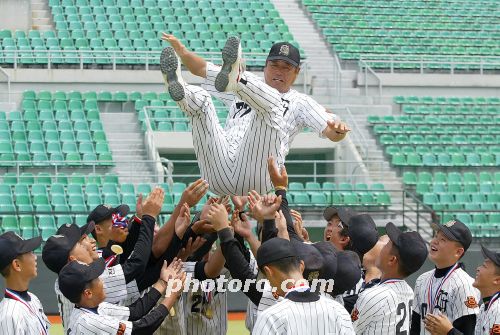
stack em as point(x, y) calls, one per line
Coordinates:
point(126, 276)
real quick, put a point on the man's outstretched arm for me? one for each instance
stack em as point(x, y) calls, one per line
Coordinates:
point(194, 63)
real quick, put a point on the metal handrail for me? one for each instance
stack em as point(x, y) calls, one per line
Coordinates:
point(8, 83)
point(151, 150)
point(367, 68)
point(337, 71)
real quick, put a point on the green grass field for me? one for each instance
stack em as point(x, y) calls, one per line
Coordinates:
point(234, 328)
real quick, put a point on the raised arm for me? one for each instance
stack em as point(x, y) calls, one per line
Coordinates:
point(194, 63)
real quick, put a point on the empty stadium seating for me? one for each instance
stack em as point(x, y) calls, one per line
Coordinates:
point(59, 128)
point(447, 148)
point(441, 28)
point(104, 31)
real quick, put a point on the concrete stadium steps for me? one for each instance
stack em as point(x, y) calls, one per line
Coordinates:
point(41, 16)
point(126, 142)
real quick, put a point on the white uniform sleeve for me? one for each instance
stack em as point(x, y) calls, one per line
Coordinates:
point(209, 85)
point(115, 311)
point(312, 115)
point(365, 311)
point(90, 323)
point(269, 323)
point(464, 301)
point(417, 296)
point(115, 286)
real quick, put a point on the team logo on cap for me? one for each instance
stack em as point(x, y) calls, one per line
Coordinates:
point(107, 206)
point(313, 275)
point(450, 223)
point(284, 50)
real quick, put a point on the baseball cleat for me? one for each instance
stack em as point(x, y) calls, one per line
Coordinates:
point(229, 75)
point(170, 67)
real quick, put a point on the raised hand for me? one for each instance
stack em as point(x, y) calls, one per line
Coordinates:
point(279, 177)
point(241, 226)
point(152, 205)
point(338, 126)
point(190, 248)
point(138, 206)
point(263, 208)
point(217, 215)
point(183, 221)
point(174, 42)
point(202, 227)
point(194, 192)
point(172, 270)
point(239, 202)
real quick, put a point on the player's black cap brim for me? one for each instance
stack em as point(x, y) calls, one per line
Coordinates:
point(284, 58)
point(393, 232)
point(491, 255)
point(30, 245)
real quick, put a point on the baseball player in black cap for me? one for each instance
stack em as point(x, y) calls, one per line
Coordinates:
point(488, 282)
point(105, 217)
point(20, 311)
point(403, 255)
point(269, 111)
point(81, 284)
point(448, 288)
point(301, 310)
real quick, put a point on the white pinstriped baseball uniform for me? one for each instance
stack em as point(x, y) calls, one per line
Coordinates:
point(452, 294)
point(234, 160)
point(174, 323)
point(21, 317)
point(488, 320)
point(110, 319)
point(323, 316)
point(114, 285)
point(384, 309)
point(251, 313)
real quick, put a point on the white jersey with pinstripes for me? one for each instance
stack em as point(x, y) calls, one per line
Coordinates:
point(17, 319)
point(324, 316)
point(384, 309)
point(260, 122)
point(114, 286)
point(456, 296)
point(109, 319)
point(206, 313)
point(488, 321)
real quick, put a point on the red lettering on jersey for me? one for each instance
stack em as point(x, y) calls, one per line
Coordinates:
point(471, 302)
point(354, 315)
point(121, 329)
point(495, 329)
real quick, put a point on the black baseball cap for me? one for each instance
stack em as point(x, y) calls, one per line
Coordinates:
point(313, 260)
point(13, 245)
point(103, 212)
point(344, 213)
point(76, 275)
point(411, 247)
point(348, 273)
point(55, 252)
point(286, 52)
point(274, 250)
point(330, 261)
point(456, 230)
point(363, 233)
point(493, 256)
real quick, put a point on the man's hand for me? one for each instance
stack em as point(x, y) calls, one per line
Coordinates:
point(338, 126)
point(194, 192)
point(437, 324)
point(239, 202)
point(172, 270)
point(183, 221)
point(174, 42)
point(202, 227)
point(138, 206)
point(217, 215)
point(279, 177)
point(263, 208)
point(152, 205)
point(298, 225)
point(191, 248)
point(281, 225)
point(241, 227)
